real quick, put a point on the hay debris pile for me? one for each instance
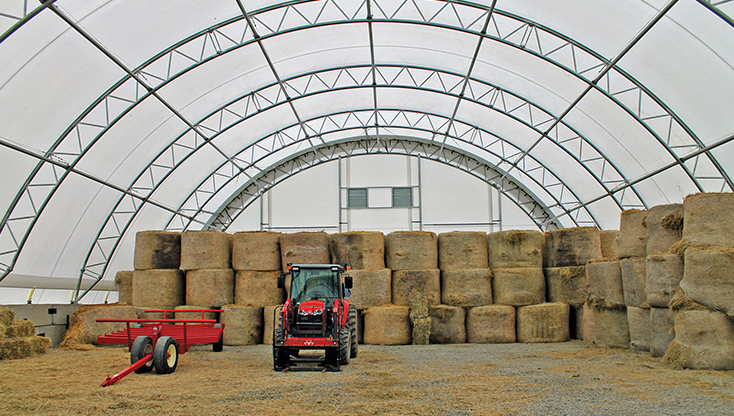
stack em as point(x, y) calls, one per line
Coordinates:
point(18, 337)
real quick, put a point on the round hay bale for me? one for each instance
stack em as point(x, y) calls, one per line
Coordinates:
point(364, 250)
point(387, 325)
point(404, 281)
point(206, 250)
point(664, 227)
point(640, 329)
point(663, 330)
point(6, 316)
point(471, 287)
point(605, 281)
point(185, 312)
point(709, 218)
point(243, 325)
point(632, 239)
point(571, 247)
point(20, 328)
point(211, 287)
point(515, 249)
point(304, 248)
point(704, 339)
point(84, 328)
point(491, 324)
point(462, 250)
point(548, 322)
point(124, 286)
point(157, 250)
point(518, 287)
point(160, 288)
point(608, 240)
point(611, 328)
point(253, 288)
point(708, 278)
point(411, 250)
point(567, 284)
point(256, 250)
point(447, 324)
point(371, 288)
point(634, 276)
point(18, 348)
point(664, 273)
point(270, 317)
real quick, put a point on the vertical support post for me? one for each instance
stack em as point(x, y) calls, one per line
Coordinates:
point(339, 191)
point(420, 194)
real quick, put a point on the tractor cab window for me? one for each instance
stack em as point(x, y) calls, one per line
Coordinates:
point(321, 284)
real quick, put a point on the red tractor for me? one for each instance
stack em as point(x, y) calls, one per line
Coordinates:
point(316, 316)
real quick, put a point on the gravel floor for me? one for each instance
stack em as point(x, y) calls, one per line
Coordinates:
point(465, 379)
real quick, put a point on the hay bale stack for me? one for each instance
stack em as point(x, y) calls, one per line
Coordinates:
point(256, 250)
point(634, 276)
point(605, 281)
point(364, 250)
point(144, 312)
point(419, 318)
point(6, 316)
point(470, 287)
point(269, 321)
point(704, 338)
point(567, 284)
point(518, 287)
point(459, 250)
point(23, 347)
point(185, 312)
point(492, 324)
point(632, 239)
point(159, 288)
point(447, 324)
point(547, 322)
point(411, 250)
point(515, 249)
point(404, 281)
point(640, 329)
point(708, 277)
point(611, 327)
point(260, 289)
point(124, 286)
point(20, 328)
point(588, 332)
point(709, 219)
point(664, 273)
point(243, 325)
point(571, 247)
point(206, 250)
point(84, 328)
point(371, 288)
point(211, 287)
point(157, 250)
point(304, 248)
point(663, 330)
point(387, 325)
point(664, 227)
point(608, 240)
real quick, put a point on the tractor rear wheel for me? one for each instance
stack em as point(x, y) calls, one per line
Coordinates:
point(345, 345)
point(142, 346)
point(353, 325)
point(165, 356)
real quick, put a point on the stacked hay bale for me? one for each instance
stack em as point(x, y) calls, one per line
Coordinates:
point(606, 301)
point(703, 309)
point(564, 260)
point(664, 272)
point(18, 337)
point(157, 282)
point(124, 286)
point(84, 328)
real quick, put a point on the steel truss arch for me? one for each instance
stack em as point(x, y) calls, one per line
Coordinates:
point(214, 41)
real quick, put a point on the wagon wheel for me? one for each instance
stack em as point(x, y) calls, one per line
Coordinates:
point(165, 356)
point(219, 345)
point(142, 346)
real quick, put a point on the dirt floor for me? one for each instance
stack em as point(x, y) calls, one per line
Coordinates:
point(466, 379)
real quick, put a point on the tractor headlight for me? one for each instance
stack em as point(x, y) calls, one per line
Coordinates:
point(302, 312)
point(318, 311)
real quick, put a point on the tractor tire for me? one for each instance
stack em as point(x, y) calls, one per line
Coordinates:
point(165, 356)
point(353, 325)
point(281, 360)
point(142, 346)
point(345, 346)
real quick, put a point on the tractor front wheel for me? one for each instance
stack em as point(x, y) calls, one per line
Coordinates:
point(352, 324)
point(345, 345)
point(142, 346)
point(165, 356)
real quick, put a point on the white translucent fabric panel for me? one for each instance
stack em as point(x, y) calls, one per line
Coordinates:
point(256, 127)
point(331, 102)
point(218, 81)
point(567, 169)
point(497, 122)
point(136, 31)
point(695, 79)
point(423, 46)
point(14, 170)
point(421, 101)
point(318, 48)
point(604, 26)
point(607, 213)
point(55, 86)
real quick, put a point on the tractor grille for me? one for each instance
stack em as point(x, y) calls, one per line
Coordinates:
point(309, 324)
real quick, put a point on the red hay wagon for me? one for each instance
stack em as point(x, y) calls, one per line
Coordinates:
point(157, 343)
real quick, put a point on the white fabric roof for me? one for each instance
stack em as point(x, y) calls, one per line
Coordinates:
point(121, 116)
